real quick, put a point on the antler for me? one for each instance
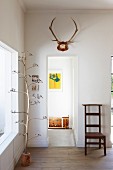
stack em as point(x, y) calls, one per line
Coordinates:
point(63, 45)
point(69, 41)
point(56, 39)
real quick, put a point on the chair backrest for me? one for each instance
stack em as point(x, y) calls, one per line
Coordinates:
point(90, 115)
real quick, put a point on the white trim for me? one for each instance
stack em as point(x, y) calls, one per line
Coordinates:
point(3, 138)
point(7, 145)
point(6, 142)
point(7, 137)
point(11, 165)
point(17, 154)
point(3, 45)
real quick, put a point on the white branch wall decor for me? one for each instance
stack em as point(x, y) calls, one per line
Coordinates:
point(32, 98)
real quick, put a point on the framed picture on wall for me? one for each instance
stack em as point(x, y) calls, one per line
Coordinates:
point(35, 78)
point(55, 80)
point(34, 87)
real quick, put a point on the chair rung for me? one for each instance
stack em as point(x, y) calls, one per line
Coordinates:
point(92, 114)
point(92, 125)
point(94, 143)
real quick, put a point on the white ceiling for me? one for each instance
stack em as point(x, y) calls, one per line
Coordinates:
point(66, 4)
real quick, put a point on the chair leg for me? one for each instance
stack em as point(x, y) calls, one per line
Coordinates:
point(85, 146)
point(105, 145)
point(99, 143)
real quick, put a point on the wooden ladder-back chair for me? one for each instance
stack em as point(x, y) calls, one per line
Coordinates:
point(95, 134)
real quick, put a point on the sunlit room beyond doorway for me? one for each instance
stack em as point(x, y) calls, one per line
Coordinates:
point(61, 101)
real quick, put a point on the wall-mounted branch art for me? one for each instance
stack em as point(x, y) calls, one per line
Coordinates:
point(55, 80)
point(31, 99)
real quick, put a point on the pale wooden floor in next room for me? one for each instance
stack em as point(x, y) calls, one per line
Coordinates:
point(68, 158)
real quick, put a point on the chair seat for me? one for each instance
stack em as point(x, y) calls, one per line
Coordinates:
point(94, 135)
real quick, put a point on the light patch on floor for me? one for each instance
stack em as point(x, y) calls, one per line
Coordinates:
point(61, 137)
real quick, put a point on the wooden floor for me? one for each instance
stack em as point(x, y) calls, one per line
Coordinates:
point(68, 158)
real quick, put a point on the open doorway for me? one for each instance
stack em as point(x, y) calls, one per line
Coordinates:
point(112, 100)
point(62, 100)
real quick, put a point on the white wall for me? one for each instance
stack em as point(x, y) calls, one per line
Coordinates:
point(12, 33)
point(93, 46)
point(60, 102)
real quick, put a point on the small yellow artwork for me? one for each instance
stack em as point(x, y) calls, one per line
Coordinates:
point(54, 81)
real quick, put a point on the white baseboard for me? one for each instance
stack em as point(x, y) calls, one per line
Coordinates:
point(11, 165)
point(18, 154)
point(16, 158)
point(9, 162)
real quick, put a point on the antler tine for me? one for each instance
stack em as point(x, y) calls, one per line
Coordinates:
point(69, 41)
point(50, 27)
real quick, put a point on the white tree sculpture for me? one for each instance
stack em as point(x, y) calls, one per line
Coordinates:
point(37, 97)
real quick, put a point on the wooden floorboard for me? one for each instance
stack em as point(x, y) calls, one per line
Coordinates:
point(69, 158)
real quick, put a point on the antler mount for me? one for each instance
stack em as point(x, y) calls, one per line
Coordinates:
point(63, 45)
